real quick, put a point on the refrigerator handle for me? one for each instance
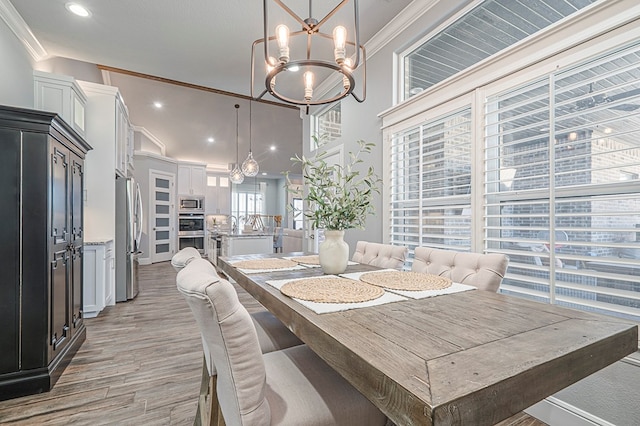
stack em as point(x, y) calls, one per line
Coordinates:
point(139, 216)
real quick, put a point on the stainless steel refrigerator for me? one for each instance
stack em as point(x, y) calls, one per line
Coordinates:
point(128, 233)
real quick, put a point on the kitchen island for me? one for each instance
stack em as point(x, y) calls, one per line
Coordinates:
point(233, 244)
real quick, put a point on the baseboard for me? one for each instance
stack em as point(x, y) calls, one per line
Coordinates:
point(144, 261)
point(555, 412)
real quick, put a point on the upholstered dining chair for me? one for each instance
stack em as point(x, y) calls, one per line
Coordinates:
point(484, 271)
point(272, 334)
point(287, 387)
point(183, 257)
point(381, 255)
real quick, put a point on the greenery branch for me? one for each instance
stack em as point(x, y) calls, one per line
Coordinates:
point(338, 197)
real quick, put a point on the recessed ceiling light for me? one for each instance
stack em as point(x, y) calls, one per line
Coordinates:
point(211, 140)
point(157, 104)
point(77, 9)
point(264, 173)
point(273, 148)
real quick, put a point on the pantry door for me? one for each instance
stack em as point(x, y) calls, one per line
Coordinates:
point(162, 235)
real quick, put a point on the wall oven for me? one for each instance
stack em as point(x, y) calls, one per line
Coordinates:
point(191, 231)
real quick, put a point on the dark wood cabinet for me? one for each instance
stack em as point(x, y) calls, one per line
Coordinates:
point(41, 211)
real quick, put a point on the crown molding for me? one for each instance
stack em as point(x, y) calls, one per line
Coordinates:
point(394, 27)
point(398, 24)
point(152, 138)
point(20, 28)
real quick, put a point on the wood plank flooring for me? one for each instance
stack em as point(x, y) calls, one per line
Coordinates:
point(140, 365)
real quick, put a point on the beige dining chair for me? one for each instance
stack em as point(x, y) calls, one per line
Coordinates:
point(484, 271)
point(287, 387)
point(272, 336)
point(183, 257)
point(381, 255)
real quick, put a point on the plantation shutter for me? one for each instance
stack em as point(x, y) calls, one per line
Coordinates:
point(430, 184)
point(562, 167)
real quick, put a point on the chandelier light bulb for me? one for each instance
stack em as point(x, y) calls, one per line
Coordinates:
point(339, 43)
point(250, 166)
point(308, 85)
point(282, 36)
point(346, 68)
point(271, 64)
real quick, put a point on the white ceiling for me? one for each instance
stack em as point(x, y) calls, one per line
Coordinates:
point(200, 42)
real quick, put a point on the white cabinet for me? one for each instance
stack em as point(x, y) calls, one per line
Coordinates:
point(122, 137)
point(107, 126)
point(98, 273)
point(218, 195)
point(61, 94)
point(192, 179)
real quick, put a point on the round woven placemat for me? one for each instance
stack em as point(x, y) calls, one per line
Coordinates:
point(405, 280)
point(331, 290)
point(313, 259)
point(265, 264)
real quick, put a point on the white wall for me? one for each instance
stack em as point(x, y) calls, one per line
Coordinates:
point(16, 70)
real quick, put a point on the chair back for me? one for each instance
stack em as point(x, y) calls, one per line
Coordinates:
point(484, 271)
point(381, 255)
point(183, 257)
point(230, 336)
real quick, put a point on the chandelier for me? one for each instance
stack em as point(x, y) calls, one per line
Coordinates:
point(236, 176)
point(296, 59)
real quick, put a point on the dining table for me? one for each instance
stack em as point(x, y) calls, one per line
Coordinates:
point(465, 358)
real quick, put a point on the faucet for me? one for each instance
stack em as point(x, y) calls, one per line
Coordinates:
point(233, 221)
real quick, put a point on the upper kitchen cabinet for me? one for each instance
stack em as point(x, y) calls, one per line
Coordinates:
point(192, 179)
point(108, 119)
point(61, 94)
point(218, 197)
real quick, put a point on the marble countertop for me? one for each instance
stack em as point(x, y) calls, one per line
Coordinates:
point(239, 234)
point(97, 242)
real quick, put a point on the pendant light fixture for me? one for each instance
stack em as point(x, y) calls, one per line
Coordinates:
point(303, 57)
point(236, 176)
point(250, 166)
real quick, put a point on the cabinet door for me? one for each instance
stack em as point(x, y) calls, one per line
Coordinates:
point(59, 309)
point(184, 180)
point(77, 250)
point(198, 180)
point(122, 134)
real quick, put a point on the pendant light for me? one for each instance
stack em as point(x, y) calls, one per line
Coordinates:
point(236, 175)
point(250, 166)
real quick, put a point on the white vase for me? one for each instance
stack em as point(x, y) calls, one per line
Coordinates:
point(333, 253)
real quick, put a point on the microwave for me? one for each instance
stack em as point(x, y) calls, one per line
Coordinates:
point(192, 204)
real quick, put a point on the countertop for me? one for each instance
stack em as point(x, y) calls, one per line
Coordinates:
point(97, 242)
point(237, 234)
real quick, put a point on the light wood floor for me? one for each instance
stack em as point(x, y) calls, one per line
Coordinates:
point(140, 365)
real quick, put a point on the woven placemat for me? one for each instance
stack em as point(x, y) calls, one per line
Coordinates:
point(265, 264)
point(406, 280)
point(313, 259)
point(331, 290)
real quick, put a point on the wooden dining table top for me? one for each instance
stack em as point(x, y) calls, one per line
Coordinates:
point(473, 357)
